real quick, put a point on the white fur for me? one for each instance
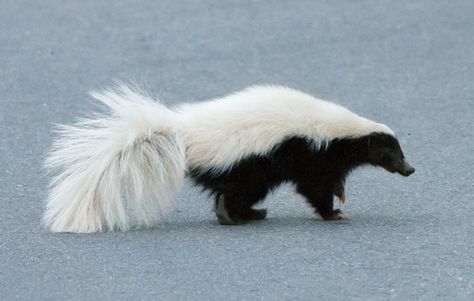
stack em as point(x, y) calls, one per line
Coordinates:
point(122, 170)
point(219, 132)
point(118, 171)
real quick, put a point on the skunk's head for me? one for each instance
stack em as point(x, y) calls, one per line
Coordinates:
point(385, 151)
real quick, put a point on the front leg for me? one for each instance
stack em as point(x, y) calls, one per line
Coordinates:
point(321, 197)
point(339, 191)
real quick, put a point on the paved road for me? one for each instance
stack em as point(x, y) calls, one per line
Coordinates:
point(409, 64)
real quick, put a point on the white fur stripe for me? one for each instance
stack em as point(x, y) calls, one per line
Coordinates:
point(219, 132)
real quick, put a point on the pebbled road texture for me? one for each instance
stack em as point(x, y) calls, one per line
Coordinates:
point(409, 64)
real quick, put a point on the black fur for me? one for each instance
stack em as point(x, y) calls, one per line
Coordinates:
point(318, 174)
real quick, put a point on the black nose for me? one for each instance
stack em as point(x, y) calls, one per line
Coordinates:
point(407, 169)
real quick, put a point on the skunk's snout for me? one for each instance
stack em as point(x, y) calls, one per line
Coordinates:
point(406, 169)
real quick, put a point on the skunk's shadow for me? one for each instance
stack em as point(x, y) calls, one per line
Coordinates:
point(286, 222)
point(272, 224)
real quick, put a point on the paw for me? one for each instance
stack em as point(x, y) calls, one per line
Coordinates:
point(223, 215)
point(335, 215)
point(253, 215)
point(342, 199)
point(256, 214)
point(236, 216)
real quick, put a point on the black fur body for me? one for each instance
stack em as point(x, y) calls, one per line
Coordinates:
point(318, 173)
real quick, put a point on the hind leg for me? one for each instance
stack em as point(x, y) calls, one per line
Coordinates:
point(235, 210)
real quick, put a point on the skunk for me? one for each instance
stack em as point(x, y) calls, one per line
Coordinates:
point(121, 170)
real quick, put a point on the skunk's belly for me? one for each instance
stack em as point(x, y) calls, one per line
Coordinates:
point(254, 175)
point(296, 159)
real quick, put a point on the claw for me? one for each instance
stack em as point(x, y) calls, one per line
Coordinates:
point(336, 215)
point(342, 199)
point(342, 216)
point(339, 191)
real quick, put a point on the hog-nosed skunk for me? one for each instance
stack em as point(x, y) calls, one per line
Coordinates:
point(122, 170)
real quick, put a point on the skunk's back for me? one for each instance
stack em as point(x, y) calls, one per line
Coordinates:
point(219, 132)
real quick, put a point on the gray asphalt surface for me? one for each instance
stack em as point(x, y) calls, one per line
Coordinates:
point(409, 64)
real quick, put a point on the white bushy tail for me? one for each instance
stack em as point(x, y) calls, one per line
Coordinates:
point(118, 171)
